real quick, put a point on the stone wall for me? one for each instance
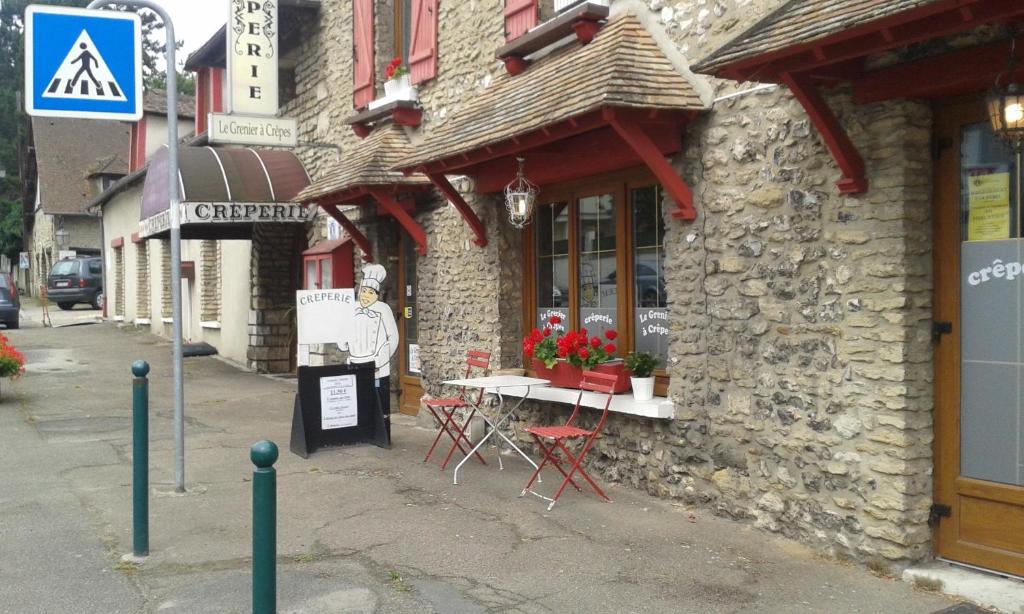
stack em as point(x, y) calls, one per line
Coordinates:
point(142, 296)
point(119, 281)
point(272, 306)
point(209, 289)
point(166, 300)
point(800, 362)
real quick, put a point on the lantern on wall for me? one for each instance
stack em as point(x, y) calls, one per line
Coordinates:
point(520, 198)
point(1006, 105)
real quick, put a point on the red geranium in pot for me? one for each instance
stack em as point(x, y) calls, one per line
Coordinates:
point(563, 359)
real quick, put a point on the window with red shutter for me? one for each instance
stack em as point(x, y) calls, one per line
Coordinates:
point(423, 48)
point(362, 52)
point(520, 16)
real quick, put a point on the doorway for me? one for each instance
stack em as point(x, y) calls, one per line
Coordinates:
point(410, 385)
point(979, 357)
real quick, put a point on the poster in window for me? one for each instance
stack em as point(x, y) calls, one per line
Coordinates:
point(414, 358)
point(338, 407)
point(988, 205)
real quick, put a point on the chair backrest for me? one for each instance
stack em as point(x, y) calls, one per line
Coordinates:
point(480, 360)
point(592, 381)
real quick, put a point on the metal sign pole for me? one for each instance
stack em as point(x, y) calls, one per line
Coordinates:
point(173, 202)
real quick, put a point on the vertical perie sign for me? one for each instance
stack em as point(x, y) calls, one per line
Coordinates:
point(252, 57)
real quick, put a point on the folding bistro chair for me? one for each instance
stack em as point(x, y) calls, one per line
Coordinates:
point(444, 410)
point(557, 435)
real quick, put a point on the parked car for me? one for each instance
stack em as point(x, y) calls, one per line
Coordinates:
point(76, 280)
point(10, 302)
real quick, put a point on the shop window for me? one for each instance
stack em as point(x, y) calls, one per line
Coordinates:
point(319, 272)
point(597, 261)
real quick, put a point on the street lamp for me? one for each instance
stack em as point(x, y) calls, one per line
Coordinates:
point(61, 235)
point(1006, 105)
point(520, 198)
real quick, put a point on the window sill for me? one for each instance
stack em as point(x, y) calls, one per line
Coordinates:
point(658, 407)
point(167, 320)
point(142, 321)
point(119, 318)
point(211, 324)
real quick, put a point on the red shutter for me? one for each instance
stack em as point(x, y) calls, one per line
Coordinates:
point(423, 48)
point(362, 51)
point(520, 16)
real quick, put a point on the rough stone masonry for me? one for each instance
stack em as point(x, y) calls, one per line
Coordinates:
point(800, 362)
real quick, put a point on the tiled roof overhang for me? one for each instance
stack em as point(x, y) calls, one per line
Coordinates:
point(613, 103)
point(238, 178)
point(808, 43)
point(365, 176)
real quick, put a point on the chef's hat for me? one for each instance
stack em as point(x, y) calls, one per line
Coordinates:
point(373, 276)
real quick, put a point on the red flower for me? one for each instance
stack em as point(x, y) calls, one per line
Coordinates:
point(389, 72)
point(583, 332)
point(610, 348)
point(583, 353)
point(528, 348)
point(610, 334)
point(535, 335)
point(554, 320)
point(595, 342)
point(547, 331)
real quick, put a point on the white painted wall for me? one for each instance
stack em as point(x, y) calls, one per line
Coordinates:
point(156, 131)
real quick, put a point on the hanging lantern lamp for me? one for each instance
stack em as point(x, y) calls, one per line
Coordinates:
point(1006, 105)
point(520, 198)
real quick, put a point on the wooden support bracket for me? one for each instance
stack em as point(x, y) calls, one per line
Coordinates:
point(410, 225)
point(350, 228)
point(641, 143)
point(441, 183)
point(838, 142)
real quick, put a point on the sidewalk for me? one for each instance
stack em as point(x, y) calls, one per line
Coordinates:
point(360, 529)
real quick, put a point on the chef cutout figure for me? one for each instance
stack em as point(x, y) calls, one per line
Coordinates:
point(375, 334)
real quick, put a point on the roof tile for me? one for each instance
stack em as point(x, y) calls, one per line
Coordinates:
point(622, 67)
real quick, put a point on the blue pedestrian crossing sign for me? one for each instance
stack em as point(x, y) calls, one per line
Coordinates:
point(83, 63)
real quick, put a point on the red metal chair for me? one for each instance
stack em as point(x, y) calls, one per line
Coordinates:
point(594, 382)
point(447, 408)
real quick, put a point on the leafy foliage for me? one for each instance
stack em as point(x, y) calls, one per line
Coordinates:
point(641, 364)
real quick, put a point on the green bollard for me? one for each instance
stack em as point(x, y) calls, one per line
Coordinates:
point(140, 459)
point(264, 527)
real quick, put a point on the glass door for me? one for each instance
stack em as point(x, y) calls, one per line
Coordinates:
point(979, 357)
point(411, 388)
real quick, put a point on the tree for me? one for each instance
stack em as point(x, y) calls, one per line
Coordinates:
point(12, 117)
point(186, 83)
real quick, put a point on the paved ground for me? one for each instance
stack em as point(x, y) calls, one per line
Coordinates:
point(360, 529)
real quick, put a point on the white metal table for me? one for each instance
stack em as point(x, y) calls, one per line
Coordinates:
point(495, 384)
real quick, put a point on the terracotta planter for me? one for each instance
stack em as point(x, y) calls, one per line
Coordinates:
point(564, 375)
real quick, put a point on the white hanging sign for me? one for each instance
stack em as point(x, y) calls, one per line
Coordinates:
point(325, 316)
point(252, 57)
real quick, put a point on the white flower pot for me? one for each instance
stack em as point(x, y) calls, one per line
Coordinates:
point(399, 88)
point(643, 388)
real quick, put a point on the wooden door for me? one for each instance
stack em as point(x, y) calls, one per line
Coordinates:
point(979, 356)
point(410, 387)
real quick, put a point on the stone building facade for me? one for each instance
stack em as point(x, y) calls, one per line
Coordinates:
point(800, 357)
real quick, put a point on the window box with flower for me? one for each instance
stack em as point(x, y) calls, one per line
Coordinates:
point(397, 84)
point(562, 358)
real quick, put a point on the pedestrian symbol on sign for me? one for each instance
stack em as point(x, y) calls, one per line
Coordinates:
point(75, 77)
point(83, 63)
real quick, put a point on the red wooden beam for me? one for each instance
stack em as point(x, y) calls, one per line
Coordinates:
point(350, 228)
point(441, 183)
point(650, 153)
point(965, 70)
point(511, 146)
point(389, 204)
point(835, 137)
point(922, 23)
point(574, 158)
